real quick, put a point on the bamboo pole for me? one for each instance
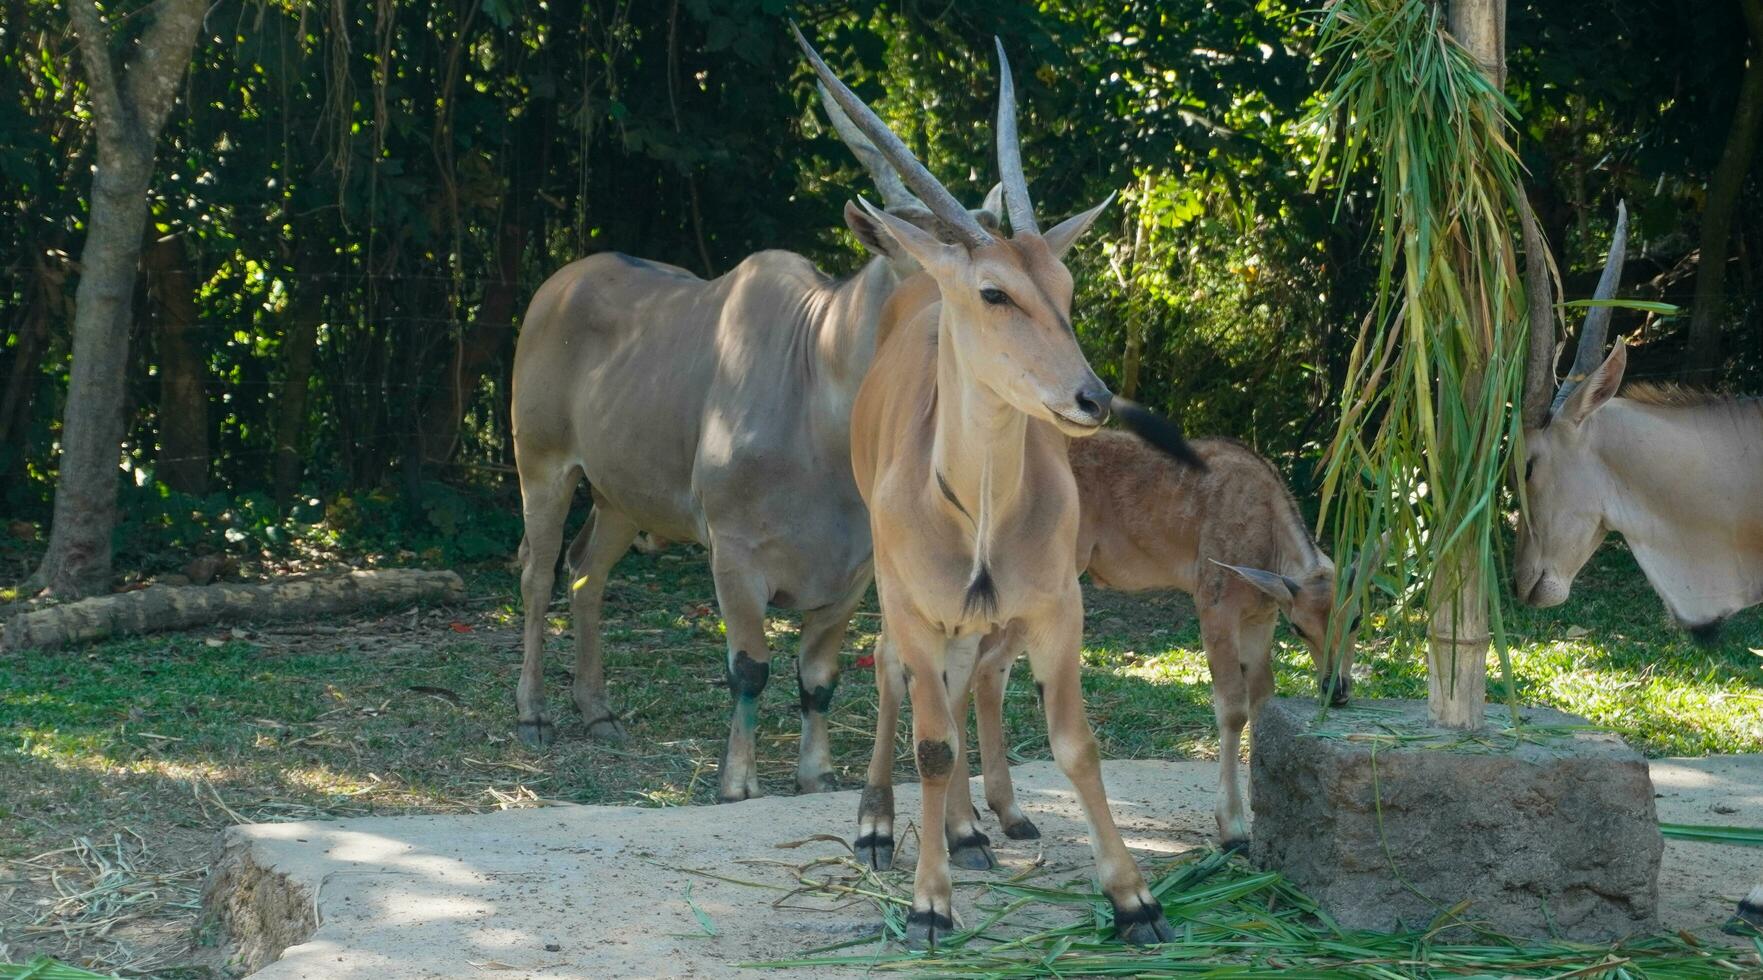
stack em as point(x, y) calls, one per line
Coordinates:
point(1457, 644)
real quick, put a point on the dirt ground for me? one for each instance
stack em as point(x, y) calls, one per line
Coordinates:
point(695, 891)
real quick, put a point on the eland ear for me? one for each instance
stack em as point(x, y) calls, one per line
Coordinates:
point(991, 211)
point(1599, 387)
point(868, 231)
point(1063, 235)
point(930, 251)
point(1277, 587)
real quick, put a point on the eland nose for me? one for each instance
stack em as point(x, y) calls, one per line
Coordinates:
point(1094, 403)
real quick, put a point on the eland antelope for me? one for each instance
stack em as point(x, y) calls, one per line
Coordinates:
point(958, 442)
point(1678, 473)
point(716, 412)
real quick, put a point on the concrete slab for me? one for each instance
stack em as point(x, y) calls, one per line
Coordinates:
point(599, 891)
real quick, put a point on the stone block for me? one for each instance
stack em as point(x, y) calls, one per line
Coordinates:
point(1388, 822)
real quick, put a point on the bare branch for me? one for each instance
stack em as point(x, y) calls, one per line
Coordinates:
point(94, 42)
point(160, 60)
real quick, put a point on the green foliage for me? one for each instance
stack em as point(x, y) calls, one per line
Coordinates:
point(399, 178)
point(161, 528)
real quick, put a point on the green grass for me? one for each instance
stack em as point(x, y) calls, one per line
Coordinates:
point(174, 736)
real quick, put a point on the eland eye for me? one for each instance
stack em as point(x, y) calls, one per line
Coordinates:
point(993, 296)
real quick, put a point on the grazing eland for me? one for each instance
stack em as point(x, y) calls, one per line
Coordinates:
point(958, 442)
point(1678, 473)
point(716, 412)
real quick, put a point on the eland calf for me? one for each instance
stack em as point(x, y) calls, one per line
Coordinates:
point(716, 412)
point(1679, 474)
point(1231, 536)
point(958, 443)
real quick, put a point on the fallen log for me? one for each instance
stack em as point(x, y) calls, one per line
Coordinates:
point(169, 607)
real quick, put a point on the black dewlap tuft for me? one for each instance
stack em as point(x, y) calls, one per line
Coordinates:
point(982, 594)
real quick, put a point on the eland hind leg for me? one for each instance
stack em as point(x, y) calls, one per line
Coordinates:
point(997, 656)
point(593, 553)
point(1055, 653)
point(545, 493)
point(817, 676)
point(875, 811)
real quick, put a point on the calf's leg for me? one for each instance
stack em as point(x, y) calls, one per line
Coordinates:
point(1230, 707)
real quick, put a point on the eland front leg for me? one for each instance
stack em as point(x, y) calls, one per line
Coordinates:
point(741, 596)
point(921, 649)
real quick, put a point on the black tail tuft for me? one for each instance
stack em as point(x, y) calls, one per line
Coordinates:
point(982, 593)
point(1160, 432)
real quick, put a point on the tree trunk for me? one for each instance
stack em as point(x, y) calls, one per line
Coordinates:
point(183, 460)
point(19, 395)
point(299, 343)
point(128, 112)
point(443, 411)
point(1457, 647)
point(1702, 360)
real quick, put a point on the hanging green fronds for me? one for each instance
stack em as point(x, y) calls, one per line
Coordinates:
point(1430, 409)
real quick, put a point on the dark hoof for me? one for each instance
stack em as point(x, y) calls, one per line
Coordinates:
point(735, 796)
point(1023, 829)
point(924, 929)
point(1143, 926)
point(973, 852)
point(1339, 699)
point(536, 734)
point(1747, 921)
point(1237, 845)
point(607, 729)
point(826, 782)
point(877, 850)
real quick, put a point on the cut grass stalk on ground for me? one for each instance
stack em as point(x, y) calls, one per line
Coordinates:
point(1237, 922)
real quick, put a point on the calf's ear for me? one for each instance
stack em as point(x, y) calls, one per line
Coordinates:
point(1277, 587)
